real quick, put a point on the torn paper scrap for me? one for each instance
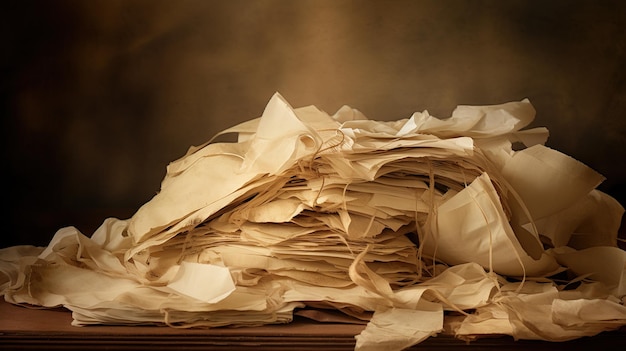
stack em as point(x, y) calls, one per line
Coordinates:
point(205, 282)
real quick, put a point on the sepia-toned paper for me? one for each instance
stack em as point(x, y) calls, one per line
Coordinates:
point(418, 226)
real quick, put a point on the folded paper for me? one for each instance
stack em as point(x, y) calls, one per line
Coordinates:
point(418, 226)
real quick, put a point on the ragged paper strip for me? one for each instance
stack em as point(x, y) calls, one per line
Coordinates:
point(428, 225)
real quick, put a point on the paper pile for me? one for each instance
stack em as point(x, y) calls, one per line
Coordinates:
point(466, 225)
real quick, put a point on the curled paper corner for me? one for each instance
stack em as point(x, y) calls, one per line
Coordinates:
point(280, 139)
point(205, 282)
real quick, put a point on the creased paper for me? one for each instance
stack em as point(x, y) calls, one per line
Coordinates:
point(418, 226)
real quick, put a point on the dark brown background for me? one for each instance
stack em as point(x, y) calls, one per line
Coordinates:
point(99, 96)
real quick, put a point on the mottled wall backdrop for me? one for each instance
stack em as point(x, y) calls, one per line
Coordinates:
point(99, 96)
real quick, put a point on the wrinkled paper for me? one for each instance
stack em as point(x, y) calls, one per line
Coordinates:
point(418, 227)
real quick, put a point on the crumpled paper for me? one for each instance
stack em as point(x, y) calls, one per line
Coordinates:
point(419, 226)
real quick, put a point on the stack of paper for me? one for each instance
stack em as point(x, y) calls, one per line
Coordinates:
point(433, 225)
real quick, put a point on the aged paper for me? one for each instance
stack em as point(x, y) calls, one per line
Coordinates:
point(417, 227)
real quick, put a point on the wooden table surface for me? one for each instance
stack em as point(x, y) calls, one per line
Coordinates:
point(24, 328)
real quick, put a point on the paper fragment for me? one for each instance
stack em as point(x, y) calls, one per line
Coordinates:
point(205, 282)
point(397, 329)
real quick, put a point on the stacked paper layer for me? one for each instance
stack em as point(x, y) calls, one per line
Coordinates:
point(466, 225)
